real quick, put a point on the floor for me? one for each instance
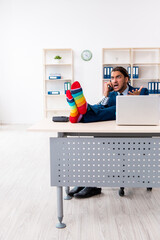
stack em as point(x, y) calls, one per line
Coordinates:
point(28, 203)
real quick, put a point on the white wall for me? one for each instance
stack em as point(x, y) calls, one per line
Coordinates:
point(29, 26)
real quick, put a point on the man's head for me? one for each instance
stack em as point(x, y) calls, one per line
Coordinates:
point(119, 79)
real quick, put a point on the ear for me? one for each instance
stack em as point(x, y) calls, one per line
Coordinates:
point(126, 79)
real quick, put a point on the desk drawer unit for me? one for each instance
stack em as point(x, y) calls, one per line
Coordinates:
point(109, 162)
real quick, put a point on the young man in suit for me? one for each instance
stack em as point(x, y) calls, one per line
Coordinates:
point(81, 111)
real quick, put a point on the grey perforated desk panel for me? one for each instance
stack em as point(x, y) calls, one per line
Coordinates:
point(102, 154)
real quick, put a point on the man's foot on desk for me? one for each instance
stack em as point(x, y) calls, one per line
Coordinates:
point(88, 192)
point(75, 116)
point(75, 190)
point(77, 94)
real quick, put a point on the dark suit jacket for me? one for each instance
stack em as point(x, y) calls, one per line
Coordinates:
point(112, 95)
point(100, 112)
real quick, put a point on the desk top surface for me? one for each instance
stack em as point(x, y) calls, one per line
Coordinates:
point(96, 127)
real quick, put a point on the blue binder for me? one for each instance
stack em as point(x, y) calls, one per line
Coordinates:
point(67, 86)
point(129, 71)
point(107, 72)
point(150, 87)
point(55, 76)
point(158, 87)
point(153, 87)
point(53, 92)
point(136, 72)
point(104, 72)
point(110, 70)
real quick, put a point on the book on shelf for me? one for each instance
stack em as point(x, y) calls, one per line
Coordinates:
point(53, 92)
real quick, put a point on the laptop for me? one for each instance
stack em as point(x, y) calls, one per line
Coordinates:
point(137, 110)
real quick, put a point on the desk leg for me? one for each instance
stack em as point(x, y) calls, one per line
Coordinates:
point(67, 197)
point(60, 207)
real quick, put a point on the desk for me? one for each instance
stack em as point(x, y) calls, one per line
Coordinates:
point(101, 154)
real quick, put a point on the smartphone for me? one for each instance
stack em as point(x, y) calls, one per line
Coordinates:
point(110, 88)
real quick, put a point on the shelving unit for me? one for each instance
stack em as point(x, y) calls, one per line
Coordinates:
point(56, 104)
point(147, 59)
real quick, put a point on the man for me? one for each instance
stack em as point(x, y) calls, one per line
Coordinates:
point(81, 111)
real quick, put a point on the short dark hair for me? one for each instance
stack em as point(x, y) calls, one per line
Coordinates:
point(122, 70)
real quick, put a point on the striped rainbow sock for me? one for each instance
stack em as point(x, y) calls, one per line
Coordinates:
point(75, 116)
point(77, 93)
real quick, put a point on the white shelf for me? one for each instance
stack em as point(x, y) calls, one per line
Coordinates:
point(146, 48)
point(56, 95)
point(59, 109)
point(137, 79)
point(57, 49)
point(62, 79)
point(146, 64)
point(116, 49)
point(58, 64)
point(117, 64)
point(56, 103)
point(148, 60)
point(145, 79)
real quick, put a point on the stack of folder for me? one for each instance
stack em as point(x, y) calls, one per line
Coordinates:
point(53, 92)
point(154, 87)
point(135, 71)
point(107, 72)
point(55, 76)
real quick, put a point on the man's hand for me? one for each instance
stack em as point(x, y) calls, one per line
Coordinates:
point(135, 92)
point(107, 89)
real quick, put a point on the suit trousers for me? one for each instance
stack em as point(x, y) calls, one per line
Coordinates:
point(97, 113)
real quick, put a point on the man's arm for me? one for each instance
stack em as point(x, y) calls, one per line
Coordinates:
point(104, 101)
point(144, 91)
point(107, 90)
point(140, 91)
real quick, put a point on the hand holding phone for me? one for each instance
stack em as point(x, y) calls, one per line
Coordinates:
point(110, 88)
point(107, 88)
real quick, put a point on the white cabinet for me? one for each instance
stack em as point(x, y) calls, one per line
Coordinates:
point(58, 77)
point(146, 61)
